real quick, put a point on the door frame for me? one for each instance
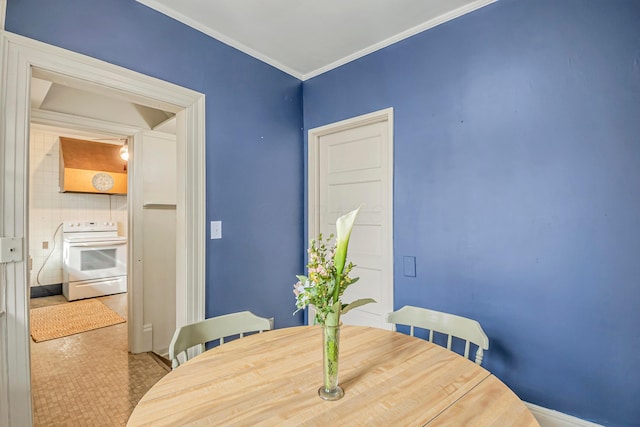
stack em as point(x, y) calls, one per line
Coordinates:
point(313, 181)
point(19, 56)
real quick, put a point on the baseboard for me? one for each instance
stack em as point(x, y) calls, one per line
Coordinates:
point(550, 418)
point(46, 290)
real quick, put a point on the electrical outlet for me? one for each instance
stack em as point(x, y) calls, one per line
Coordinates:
point(45, 245)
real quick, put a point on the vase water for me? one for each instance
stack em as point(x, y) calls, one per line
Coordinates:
point(330, 389)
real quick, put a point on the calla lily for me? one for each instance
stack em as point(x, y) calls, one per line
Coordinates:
point(344, 224)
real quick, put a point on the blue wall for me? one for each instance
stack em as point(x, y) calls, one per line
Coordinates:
point(517, 177)
point(254, 140)
point(516, 162)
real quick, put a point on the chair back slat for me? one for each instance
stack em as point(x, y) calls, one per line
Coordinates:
point(464, 328)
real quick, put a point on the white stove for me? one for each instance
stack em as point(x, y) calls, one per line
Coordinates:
point(95, 259)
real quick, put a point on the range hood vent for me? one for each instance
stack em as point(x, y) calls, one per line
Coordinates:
point(91, 167)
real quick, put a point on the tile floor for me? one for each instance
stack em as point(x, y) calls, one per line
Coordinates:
point(89, 379)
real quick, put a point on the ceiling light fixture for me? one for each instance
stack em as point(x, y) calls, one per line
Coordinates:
point(124, 152)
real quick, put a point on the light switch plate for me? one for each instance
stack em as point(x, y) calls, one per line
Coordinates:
point(216, 229)
point(10, 249)
point(409, 266)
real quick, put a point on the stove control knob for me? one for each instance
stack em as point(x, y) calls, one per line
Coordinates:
point(78, 224)
point(70, 224)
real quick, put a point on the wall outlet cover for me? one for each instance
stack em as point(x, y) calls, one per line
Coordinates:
point(409, 266)
point(216, 229)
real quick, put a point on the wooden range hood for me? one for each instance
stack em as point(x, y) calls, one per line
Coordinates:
point(91, 167)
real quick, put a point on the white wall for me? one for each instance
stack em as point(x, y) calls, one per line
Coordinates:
point(48, 208)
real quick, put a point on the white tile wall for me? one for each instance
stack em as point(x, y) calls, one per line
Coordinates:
point(48, 208)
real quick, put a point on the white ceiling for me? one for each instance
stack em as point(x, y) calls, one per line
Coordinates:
point(305, 38)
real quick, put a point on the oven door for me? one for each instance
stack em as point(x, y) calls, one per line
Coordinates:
point(95, 260)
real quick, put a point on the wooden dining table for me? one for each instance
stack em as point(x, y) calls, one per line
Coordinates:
point(272, 378)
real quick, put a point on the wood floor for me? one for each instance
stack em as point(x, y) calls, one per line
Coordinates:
point(89, 379)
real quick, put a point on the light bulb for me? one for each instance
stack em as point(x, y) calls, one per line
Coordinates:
point(124, 152)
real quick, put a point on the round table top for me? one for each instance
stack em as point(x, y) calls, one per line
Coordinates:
point(272, 379)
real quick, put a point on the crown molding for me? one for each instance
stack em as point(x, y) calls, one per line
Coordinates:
point(154, 4)
point(219, 36)
point(449, 16)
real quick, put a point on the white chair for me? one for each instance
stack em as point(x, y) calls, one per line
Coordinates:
point(448, 324)
point(214, 328)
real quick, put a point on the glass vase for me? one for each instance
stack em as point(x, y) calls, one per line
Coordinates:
point(330, 389)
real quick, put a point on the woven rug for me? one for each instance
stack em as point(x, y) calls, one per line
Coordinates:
point(62, 320)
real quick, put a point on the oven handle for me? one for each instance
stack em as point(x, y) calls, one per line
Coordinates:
point(94, 244)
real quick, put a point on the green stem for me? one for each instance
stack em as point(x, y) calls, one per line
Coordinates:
point(336, 291)
point(331, 349)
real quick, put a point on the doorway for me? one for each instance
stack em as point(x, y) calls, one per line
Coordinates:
point(22, 55)
point(351, 165)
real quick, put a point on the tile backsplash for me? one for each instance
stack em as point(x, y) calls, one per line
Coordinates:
point(48, 208)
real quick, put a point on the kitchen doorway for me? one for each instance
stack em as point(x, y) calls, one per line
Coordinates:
point(22, 56)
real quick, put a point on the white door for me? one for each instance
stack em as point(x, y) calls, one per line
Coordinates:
point(351, 165)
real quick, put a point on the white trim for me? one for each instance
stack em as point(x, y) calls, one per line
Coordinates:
point(4, 381)
point(453, 14)
point(171, 13)
point(313, 178)
point(19, 55)
point(365, 119)
point(191, 192)
point(3, 13)
point(138, 342)
point(550, 418)
point(14, 99)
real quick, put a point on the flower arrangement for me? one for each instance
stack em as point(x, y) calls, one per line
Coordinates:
point(328, 275)
point(328, 278)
